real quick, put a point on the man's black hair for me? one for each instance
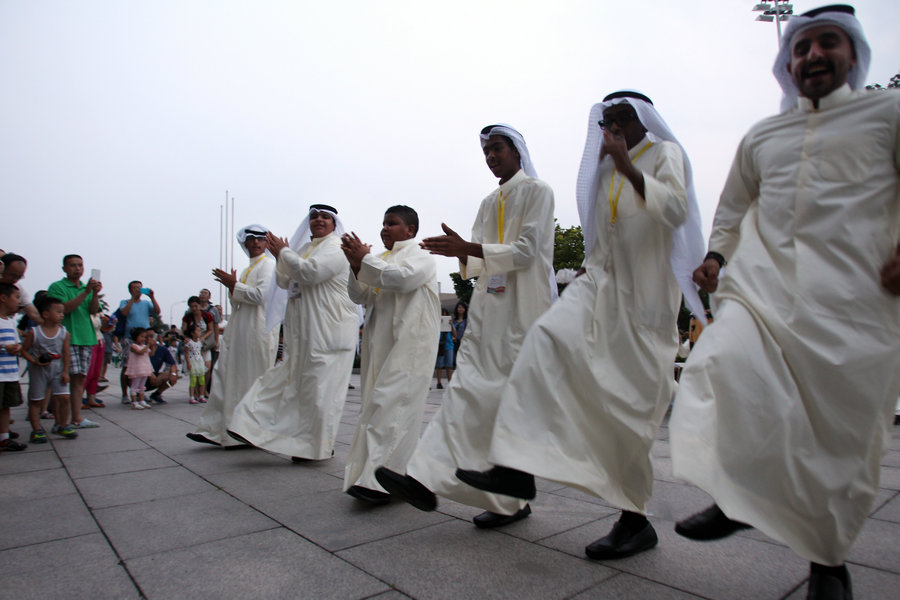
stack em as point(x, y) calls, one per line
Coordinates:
point(68, 256)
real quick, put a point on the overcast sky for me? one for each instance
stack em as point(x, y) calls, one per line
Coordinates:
point(123, 124)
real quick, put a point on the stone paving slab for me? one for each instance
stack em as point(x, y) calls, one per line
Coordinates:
point(133, 509)
point(24, 522)
point(336, 521)
point(457, 561)
point(73, 568)
point(271, 564)
point(91, 465)
point(140, 486)
point(183, 521)
point(735, 568)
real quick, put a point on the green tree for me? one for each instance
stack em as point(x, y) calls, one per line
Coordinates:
point(893, 83)
point(568, 248)
point(463, 287)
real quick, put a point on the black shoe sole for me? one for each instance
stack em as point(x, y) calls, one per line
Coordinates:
point(492, 520)
point(407, 489)
point(202, 439)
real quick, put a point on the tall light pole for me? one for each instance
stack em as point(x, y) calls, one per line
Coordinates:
point(774, 12)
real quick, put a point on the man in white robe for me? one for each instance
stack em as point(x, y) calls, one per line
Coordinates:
point(594, 377)
point(399, 290)
point(784, 406)
point(247, 350)
point(295, 407)
point(511, 252)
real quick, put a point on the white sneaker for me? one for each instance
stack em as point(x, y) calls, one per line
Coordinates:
point(136, 406)
point(144, 404)
point(85, 424)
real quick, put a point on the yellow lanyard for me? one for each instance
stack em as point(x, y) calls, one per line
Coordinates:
point(501, 215)
point(247, 271)
point(383, 256)
point(614, 202)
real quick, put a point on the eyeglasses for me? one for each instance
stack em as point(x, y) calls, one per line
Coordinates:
point(620, 119)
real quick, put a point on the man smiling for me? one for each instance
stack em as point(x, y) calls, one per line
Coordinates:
point(783, 408)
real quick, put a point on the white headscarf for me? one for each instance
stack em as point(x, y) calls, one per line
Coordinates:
point(517, 140)
point(841, 16)
point(525, 162)
point(687, 241)
point(250, 230)
point(276, 302)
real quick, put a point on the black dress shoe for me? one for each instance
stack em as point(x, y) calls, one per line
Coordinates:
point(406, 488)
point(490, 520)
point(367, 495)
point(621, 542)
point(500, 480)
point(196, 437)
point(827, 585)
point(710, 524)
point(238, 437)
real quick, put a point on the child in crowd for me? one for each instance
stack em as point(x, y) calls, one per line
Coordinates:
point(10, 393)
point(139, 368)
point(399, 290)
point(196, 364)
point(46, 347)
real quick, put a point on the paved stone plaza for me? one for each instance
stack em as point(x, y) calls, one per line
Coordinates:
point(133, 509)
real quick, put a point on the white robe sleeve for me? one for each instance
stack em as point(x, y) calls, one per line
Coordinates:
point(245, 293)
point(741, 190)
point(322, 265)
point(359, 292)
point(474, 266)
point(665, 197)
point(411, 273)
point(526, 248)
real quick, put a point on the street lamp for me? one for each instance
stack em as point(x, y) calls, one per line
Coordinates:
point(774, 12)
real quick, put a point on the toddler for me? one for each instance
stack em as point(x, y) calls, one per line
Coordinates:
point(46, 347)
point(196, 364)
point(139, 368)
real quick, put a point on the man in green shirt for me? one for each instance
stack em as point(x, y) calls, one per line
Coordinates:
point(80, 301)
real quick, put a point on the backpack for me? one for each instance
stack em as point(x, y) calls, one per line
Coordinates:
point(121, 322)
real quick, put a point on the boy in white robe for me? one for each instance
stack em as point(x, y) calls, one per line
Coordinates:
point(247, 350)
point(399, 290)
point(511, 252)
point(594, 377)
point(784, 405)
point(295, 407)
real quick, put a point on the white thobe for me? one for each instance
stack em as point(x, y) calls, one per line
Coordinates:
point(784, 404)
point(594, 377)
point(459, 435)
point(400, 293)
point(245, 351)
point(295, 407)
